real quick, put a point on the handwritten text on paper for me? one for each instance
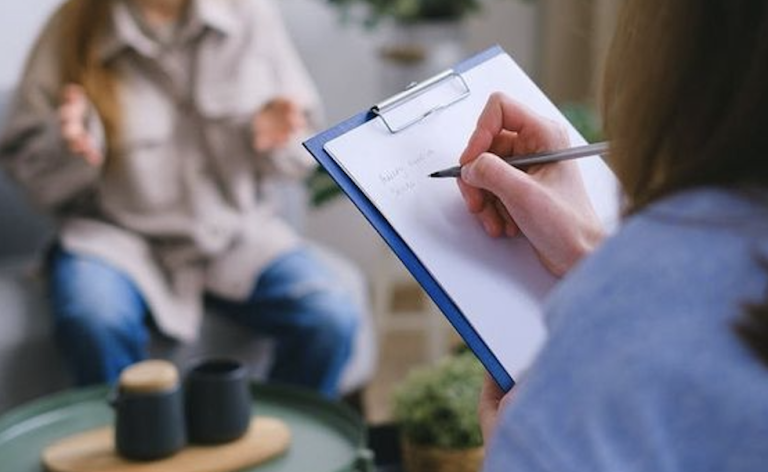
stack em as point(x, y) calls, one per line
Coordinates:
point(403, 179)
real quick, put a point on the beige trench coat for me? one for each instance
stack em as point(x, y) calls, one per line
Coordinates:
point(177, 208)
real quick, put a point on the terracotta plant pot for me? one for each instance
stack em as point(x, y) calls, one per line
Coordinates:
point(418, 458)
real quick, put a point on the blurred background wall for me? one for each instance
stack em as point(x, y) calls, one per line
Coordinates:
point(342, 57)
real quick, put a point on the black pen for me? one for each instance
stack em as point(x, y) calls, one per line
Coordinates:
point(540, 158)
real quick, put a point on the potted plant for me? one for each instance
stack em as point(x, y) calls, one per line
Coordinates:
point(436, 410)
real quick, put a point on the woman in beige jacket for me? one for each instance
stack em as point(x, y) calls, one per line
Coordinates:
point(146, 126)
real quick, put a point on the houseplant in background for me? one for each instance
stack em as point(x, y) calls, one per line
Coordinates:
point(436, 410)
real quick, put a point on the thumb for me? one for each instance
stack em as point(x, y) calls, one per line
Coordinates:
point(489, 172)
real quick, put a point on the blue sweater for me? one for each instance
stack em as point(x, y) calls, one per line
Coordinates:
point(643, 370)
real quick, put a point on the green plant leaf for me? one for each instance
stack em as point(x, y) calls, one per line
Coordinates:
point(437, 406)
point(322, 188)
point(584, 119)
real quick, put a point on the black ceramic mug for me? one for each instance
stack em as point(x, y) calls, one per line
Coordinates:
point(218, 401)
point(149, 408)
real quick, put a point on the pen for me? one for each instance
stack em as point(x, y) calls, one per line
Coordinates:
point(540, 158)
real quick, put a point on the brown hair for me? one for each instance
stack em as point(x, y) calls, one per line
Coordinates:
point(686, 104)
point(83, 25)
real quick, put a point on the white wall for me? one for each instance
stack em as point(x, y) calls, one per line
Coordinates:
point(343, 61)
point(20, 21)
point(343, 57)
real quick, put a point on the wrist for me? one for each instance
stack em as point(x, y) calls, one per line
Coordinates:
point(584, 244)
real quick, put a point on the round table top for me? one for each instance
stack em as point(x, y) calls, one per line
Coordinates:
point(326, 436)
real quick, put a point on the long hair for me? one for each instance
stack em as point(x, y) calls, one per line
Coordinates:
point(83, 25)
point(686, 104)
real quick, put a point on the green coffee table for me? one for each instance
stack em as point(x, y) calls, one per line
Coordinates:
point(326, 436)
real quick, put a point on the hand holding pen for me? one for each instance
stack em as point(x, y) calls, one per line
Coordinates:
point(548, 204)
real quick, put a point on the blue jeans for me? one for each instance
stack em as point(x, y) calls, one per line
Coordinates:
point(102, 322)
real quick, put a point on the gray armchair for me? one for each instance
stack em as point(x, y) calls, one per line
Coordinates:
point(22, 230)
point(29, 362)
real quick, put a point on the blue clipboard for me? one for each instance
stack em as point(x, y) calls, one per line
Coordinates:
point(411, 261)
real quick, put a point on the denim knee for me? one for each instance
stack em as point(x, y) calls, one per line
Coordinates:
point(96, 308)
point(88, 319)
point(333, 318)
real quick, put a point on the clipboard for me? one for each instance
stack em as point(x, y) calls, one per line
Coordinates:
point(443, 91)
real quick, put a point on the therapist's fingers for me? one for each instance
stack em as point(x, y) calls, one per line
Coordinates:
point(473, 196)
point(504, 143)
point(549, 205)
point(488, 173)
point(501, 113)
point(507, 128)
point(510, 227)
point(492, 402)
point(488, 210)
point(492, 221)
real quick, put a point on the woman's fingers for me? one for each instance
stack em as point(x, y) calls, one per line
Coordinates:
point(91, 153)
point(500, 114)
point(504, 128)
point(473, 197)
point(488, 172)
point(548, 203)
point(71, 130)
point(492, 222)
point(504, 143)
point(489, 407)
point(510, 227)
point(72, 115)
point(277, 123)
point(483, 206)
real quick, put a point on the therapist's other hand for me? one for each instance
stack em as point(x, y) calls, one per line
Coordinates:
point(277, 123)
point(73, 114)
point(548, 204)
point(492, 401)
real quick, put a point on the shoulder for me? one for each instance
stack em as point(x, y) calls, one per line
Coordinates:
point(676, 278)
point(642, 351)
point(688, 249)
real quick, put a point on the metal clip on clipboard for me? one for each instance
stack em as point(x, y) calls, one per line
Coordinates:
point(429, 97)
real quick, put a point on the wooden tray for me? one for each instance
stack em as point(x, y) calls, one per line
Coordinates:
point(94, 451)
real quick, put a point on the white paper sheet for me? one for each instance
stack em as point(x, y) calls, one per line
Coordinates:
point(498, 284)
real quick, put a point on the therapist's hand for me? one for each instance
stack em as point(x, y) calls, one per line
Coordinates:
point(492, 402)
point(548, 204)
point(277, 123)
